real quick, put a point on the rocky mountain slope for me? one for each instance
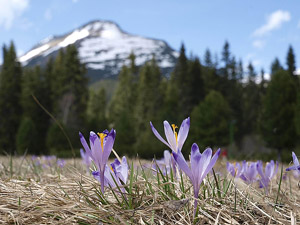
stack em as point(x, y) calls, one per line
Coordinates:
point(104, 47)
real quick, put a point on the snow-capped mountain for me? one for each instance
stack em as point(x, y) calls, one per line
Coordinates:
point(104, 47)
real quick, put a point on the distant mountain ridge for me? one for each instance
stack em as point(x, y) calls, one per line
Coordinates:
point(104, 47)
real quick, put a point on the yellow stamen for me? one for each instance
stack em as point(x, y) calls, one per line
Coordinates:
point(111, 168)
point(174, 130)
point(102, 136)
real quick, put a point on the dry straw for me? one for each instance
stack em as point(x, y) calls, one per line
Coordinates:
point(70, 196)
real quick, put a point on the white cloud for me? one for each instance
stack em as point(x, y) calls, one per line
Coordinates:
point(274, 21)
point(10, 10)
point(258, 44)
point(297, 72)
point(48, 14)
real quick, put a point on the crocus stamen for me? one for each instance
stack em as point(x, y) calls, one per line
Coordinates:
point(174, 130)
point(102, 136)
point(112, 169)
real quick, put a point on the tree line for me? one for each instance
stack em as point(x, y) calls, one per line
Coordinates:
point(224, 100)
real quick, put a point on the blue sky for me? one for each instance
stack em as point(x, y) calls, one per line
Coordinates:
point(256, 30)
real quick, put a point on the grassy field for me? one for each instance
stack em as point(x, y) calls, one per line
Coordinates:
point(37, 194)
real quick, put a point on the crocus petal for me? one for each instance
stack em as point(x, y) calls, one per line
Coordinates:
point(259, 168)
point(230, 168)
point(96, 175)
point(295, 159)
point(205, 160)
point(108, 145)
point(124, 170)
point(211, 163)
point(239, 170)
point(167, 157)
point(84, 144)
point(110, 177)
point(96, 151)
point(269, 170)
point(183, 132)
point(158, 135)
point(195, 166)
point(292, 168)
point(182, 164)
point(121, 169)
point(170, 136)
point(195, 153)
point(252, 172)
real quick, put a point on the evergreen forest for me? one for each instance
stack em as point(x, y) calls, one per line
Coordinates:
point(232, 105)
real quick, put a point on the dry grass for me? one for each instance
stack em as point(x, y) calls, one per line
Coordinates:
point(70, 197)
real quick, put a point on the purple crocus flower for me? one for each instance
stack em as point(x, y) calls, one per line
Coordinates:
point(165, 164)
point(86, 159)
point(116, 173)
point(121, 169)
point(296, 165)
point(236, 170)
point(99, 150)
point(201, 165)
point(61, 163)
point(270, 171)
point(36, 160)
point(174, 141)
point(49, 160)
point(249, 172)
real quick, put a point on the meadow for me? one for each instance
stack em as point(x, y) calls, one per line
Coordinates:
point(37, 190)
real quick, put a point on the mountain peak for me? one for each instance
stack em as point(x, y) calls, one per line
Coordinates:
point(104, 47)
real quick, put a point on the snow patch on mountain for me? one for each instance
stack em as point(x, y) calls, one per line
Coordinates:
point(33, 53)
point(103, 46)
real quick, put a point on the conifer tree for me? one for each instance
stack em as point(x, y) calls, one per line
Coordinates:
point(276, 66)
point(121, 113)
point(251, 102)
point(262, 82)
point(290, 61)
point(226, 55)
point(210, 121)
point(177, 95)
point(233, 69)
point(149, 104)
point(71, 89)
point(10, 93)
point(55, 73)
point(226, 58)
point(277, 124)
point(75, 91)
point(240, 71)
point(34, 84)
point(208, 59)
point(97, 110)
point(195, 92)
point(26, 138)
point(251, 73)
point(69, 92)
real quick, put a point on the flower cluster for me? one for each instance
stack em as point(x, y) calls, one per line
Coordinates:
point(200, 165)
point(101, 145)
point(249, 170)
point(47, 161)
